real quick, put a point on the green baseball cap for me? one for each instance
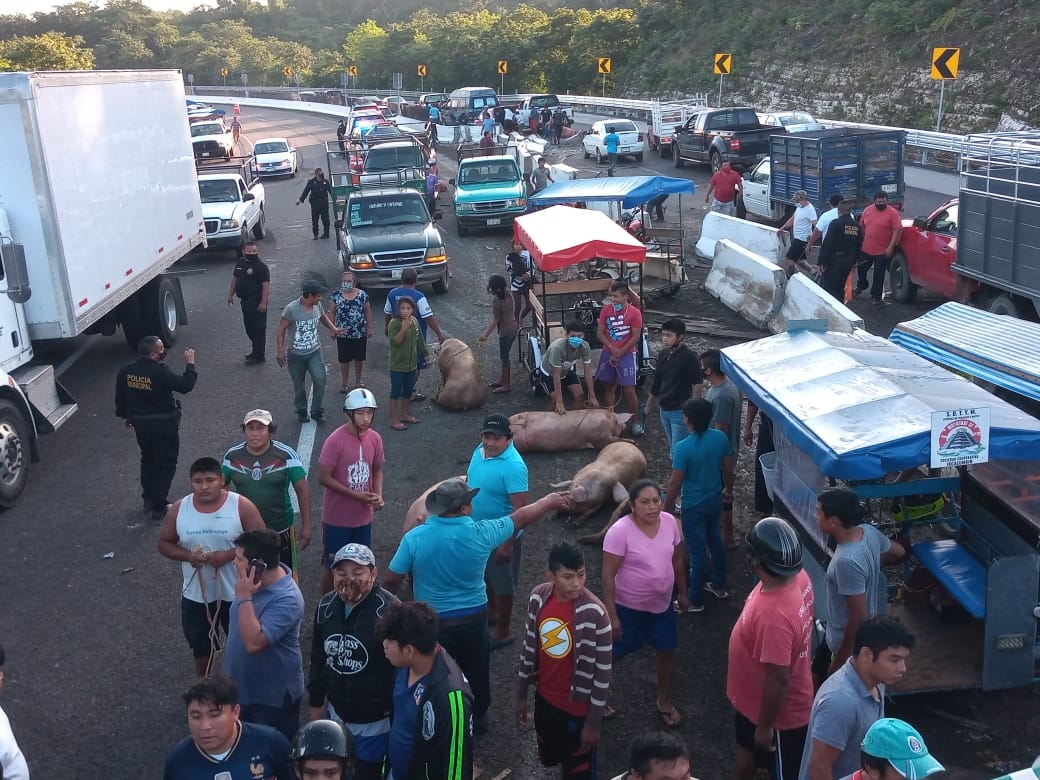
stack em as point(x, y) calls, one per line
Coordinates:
point(902, 746)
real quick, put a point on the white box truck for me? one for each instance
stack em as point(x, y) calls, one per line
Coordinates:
point(98, 198)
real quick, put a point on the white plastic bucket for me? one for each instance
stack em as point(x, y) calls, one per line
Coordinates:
point(769, 471)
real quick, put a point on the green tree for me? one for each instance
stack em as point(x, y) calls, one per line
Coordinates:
point(121, 50)
point(49, 51)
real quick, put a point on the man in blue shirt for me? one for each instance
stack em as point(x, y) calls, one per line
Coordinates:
point(611, 140)
point(221, 745)
point(500, 474)
point(263, 646)
point(446, 557)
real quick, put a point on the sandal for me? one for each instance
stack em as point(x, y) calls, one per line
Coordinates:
point(400, 427)
point(672, 718)
point(344, 390)
point(411, 420)
point(494, 384)
point(609, 713)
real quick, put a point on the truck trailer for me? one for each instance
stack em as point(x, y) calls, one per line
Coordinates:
point(98, 199)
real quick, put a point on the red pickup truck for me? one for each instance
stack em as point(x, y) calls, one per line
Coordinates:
point(927, 249)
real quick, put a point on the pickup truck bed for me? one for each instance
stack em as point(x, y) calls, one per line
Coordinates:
point(717, 135)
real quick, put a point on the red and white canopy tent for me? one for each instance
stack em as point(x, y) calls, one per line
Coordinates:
point(560, 236)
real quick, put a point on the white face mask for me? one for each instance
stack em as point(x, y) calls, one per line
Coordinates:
point(347, 286)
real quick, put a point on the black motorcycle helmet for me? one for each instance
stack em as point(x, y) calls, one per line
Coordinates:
point(774, 545)
point(324, 739)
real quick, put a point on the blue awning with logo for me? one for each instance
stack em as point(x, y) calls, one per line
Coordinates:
point(630, 190)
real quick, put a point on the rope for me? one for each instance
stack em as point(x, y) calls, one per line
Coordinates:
point(213, 619)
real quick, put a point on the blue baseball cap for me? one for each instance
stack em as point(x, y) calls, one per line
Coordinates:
point(902, 746)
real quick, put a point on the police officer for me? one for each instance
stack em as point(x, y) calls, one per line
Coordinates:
point(251, 282)
point(840, 249)
point(323, 749)
point(317, 192)
point(144, 399)
point(341, 134)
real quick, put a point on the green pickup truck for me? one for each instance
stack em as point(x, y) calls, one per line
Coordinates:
point(489, 190)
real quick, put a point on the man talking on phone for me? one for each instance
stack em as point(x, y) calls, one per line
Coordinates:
point(263, 642)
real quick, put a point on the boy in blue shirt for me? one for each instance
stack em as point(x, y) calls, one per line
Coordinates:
point(611, 140)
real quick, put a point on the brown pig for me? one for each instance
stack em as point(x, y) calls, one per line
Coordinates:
point(577, 430)
point(417, 514)
point(461, 386)
point(605, 481)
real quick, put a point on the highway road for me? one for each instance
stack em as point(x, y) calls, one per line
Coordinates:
point(96, 661)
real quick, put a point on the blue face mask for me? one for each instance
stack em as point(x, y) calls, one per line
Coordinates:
point(347, 286)
point(618, 306)
point(574, 341)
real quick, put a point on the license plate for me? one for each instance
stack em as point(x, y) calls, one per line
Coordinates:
point(494, 221)
point(395, 273)
point(889, 187)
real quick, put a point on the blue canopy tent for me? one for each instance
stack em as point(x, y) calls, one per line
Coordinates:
point(630, 191)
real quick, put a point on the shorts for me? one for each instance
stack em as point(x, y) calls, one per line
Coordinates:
point(336, 536)
point(567, 379)
point(505, 344)
point(195, 624)
point(287, 549)
point(559, 740)
point(786, 760)
point(402, 383)
point(502, 577)
point(723, 206)
point(624, 373)
point(349, 350)
point(657, 630)
point(796, 251)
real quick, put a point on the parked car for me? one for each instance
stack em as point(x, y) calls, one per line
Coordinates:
point(211, 139)
point(276, 157)
point(633, 142)
point(394, 103)
point(791, 121)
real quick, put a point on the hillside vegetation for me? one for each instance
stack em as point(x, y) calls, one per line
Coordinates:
point(868, 60)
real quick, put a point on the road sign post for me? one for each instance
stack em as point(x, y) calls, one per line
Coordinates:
point(603, 66)
point(503, 69)
point(421, 71)
point(945, 62)
point(245, 82)
point(352, 70)
point(722, 65)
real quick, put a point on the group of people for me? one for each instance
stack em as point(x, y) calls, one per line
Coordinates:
point(547, 123)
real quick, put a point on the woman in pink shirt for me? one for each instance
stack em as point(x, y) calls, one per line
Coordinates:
point(642, 564)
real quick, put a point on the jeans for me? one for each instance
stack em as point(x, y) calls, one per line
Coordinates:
point(611, 162)
point(312, 363)
point(466, 640)
point(159, 440)
point(674, 428)
point(702, 527)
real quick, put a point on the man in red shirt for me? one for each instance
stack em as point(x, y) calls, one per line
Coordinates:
point(567, 651)
point(726, 184)
point(620, 327)
point(882, 228)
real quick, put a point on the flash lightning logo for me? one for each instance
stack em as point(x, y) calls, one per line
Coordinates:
point(555, 638)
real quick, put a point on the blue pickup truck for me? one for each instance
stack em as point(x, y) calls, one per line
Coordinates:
point(856, 163)
point(490, 191)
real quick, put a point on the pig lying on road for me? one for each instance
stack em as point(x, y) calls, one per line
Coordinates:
point(461, 386)
point(577, 430)
point(605, 481)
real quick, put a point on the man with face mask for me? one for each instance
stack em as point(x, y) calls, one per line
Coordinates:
point(317, 192)
point(251, 282)
point(144, 399)
point(351, 680)
point(881, 230)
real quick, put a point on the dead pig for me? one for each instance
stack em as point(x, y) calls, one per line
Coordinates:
point(461, 386)
point(577, 430)
point(605, 481)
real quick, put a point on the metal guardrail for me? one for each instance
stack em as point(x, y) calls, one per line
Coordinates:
point(925, 140)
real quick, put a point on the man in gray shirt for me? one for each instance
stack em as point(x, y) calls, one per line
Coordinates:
point(303, 356)
point(725, 416)
point(853, 698)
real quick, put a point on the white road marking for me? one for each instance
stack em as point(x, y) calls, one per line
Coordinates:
point(305, 449)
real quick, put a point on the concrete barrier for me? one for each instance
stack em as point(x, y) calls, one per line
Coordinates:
point(746, 282)
point(806, 300)
point(760, 239)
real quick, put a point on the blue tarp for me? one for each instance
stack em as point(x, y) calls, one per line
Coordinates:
point(1004, 351)
point(630, 190)
point(860, 406)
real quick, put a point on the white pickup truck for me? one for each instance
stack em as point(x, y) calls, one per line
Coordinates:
point(549, 101)
point(211, 139)
point(232, 203)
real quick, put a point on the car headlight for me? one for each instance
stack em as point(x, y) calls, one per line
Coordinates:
point(464, 207)
point(436, 254)
point(516, 203)
point(361, 261)
point(229, 224)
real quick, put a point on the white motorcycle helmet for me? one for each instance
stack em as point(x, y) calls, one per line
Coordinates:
point(359, 398)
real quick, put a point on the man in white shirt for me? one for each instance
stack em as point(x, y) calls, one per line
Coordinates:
point(819, 231)
point(801, 224)
point(12, 762)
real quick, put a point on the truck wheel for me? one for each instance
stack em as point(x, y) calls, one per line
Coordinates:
point(903, 290)
point(1006, 305)
point(585, 151)
point(260, 228)
point(14, 453)
point(131, 321)
point(663, 151)
point(639, 157)
point(679, 162)
point(716, 161)
point(240, 249)
point(159, 309)
point(599, 157)
point(461, 229)
point(441, 285)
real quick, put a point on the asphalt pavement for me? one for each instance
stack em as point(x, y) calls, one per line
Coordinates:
point(96, 661)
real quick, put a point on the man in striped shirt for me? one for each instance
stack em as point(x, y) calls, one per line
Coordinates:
point(567, 651)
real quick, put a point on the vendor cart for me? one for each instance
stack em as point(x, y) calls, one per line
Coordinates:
point(596, 251)
point(664, 266)
point(855, 409)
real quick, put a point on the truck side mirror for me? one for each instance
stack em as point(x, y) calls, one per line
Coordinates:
point(15, 271)
point(678, 128)
point(921, 223)
point(451, 182)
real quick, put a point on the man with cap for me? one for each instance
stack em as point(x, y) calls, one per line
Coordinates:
point(317, 192)
point(446, 558)
point(498, 472)
point(769, 681)
point(304, 356)
point(323, 750)
point(895, 750)
point(801, 223)
point(351, 680)
point(263, 470)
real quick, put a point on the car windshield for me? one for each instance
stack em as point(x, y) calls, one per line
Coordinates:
point(384, 212)
point(796, 119)
point(218, 191)
point(270, 147)
point(438, 98)
point(206, 128)
point(486, 174)
point(545, 101)
point(381, 158)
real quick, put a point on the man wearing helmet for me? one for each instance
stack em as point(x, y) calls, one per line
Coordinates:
point(769, 681)
point(323, 750)
point(351, 471)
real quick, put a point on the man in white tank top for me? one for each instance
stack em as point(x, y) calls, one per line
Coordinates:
point(199, 531)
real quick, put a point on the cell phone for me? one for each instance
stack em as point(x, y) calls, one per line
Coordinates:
point(256, 570)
